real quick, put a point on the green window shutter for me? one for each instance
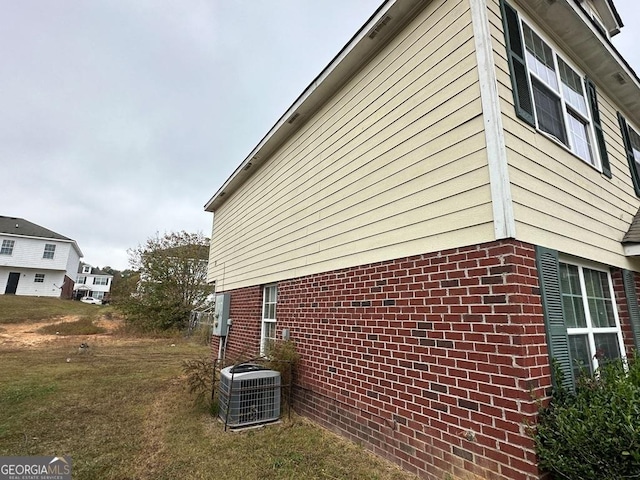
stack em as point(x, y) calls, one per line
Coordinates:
point(628, 279)
point(549, 277)
point(595, 114)
point(517, 66)
point(635, 175)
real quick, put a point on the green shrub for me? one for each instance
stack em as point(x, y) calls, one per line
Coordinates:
point(154, 313)
point(594, 432)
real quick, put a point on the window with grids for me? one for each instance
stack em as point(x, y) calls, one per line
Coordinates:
point(559, 97)
point(631, 141)
point(100, 281)
point(81, 279)
point(39, 278)
point(550, 94)
point(590, 316)
point(7, 247)
point(49, 250)
point(269, 301)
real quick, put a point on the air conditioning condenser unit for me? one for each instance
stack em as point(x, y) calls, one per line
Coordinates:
point(249, 394)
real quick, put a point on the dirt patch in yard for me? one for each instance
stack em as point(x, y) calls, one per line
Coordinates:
point(21, 335)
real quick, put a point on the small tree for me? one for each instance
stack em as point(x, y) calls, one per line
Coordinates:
point(172, 282)
point(124, 283)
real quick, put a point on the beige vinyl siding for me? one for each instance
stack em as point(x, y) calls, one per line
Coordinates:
point(393, 165)
point(560, 201)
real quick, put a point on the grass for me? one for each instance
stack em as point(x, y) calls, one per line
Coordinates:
point(19, 309)
point(123, 411)
point(83, 326)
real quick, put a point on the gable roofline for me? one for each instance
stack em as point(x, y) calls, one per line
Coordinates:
point(19, 227)
point(615, 13)
point(391, 16)
point(94, 271)
point(609, 14)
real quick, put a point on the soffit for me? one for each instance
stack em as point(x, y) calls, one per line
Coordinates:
point(567, 23)
point(376, 32)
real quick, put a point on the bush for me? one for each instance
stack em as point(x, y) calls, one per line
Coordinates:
point(154, 314)
point(201, 334)
point(199, 376)
point(283, 358)
point(594, 432)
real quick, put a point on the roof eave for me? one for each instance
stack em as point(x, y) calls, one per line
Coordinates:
point(616, 17)
point(77, 248)
point(631, 249)
point(368, 40)
point(602, 62)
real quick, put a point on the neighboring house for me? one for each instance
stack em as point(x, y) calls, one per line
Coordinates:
point(450, 203)
point(92, 282)
point(35, 260)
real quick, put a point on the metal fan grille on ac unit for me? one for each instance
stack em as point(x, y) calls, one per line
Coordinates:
point(249, 394)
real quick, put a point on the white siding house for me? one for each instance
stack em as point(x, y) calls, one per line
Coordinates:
point(35, 260)
point(92, 282)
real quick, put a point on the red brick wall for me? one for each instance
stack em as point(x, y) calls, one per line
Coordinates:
point(67, 288)
point(433, 361)
point(245, 312)
point(623, 309)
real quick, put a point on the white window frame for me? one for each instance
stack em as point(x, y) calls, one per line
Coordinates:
point(81, 279)
point(590, 330)
point(86, 269)
point(100, 281)
point(49, 251)
point(269, 315)
point(557, 90)
point(635, 145)
point(7, 247)
point(38, 278)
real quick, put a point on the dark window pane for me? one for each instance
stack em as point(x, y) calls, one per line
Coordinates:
point(580, 356)
point(606, 346)
point(600, 303)
point(549, 112)
point(569, 77)
point(573, 307)
point(540, 57)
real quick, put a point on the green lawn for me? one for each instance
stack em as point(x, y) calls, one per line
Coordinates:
point(18, 309)
point(122, 411)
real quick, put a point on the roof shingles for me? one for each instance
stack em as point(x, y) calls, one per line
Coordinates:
point(20, 226)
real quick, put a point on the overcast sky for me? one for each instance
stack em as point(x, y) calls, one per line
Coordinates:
point(121, 118)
